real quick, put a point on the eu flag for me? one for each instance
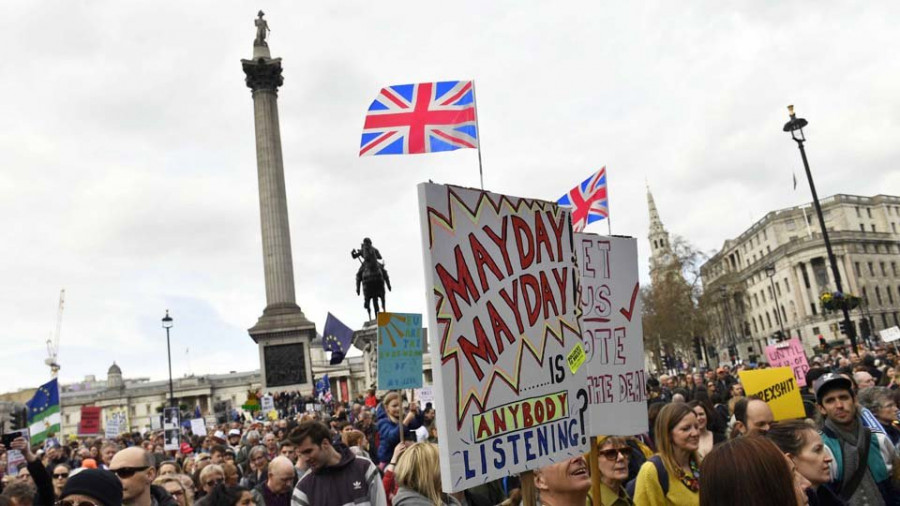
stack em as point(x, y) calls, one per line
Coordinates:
point(336, 338)
point(43, 412)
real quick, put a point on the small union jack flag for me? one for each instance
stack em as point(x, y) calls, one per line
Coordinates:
point(588, 201)
point(420, 118)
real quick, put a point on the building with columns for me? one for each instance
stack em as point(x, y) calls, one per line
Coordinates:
point(141, 398)
point(771, 275)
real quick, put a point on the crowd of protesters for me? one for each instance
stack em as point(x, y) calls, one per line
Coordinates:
point(708, 444)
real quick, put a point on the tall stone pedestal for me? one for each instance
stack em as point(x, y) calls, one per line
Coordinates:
point(283, 337)
point(366, 340)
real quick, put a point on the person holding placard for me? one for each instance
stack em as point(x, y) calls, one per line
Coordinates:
point(673, 476)
point(565, 483)
point(388, 421)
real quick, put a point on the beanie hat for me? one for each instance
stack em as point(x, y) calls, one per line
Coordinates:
point(99, 484)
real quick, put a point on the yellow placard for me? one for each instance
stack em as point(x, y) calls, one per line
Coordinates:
point(778, 387)
point(576, 357)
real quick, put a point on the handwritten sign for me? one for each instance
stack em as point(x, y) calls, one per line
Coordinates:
point(116, 423)
point(424, 395)
point(267, 403)
point(612, 334)
point(198, 426)
point(90, 420)
point(778, 387)
point(789, 354)
point(890, 334)
point(399, 351)
point(503, 307)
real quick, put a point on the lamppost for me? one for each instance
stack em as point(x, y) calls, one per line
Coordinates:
point(795, 127)
point(167, 324)
point(770, 271)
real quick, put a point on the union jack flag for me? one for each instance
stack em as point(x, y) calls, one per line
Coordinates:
point(588, 201)
point(420, 118)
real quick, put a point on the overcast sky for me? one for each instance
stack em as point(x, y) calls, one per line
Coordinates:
point(129, 171)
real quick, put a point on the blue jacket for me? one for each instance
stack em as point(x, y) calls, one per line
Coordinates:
point(389, 433)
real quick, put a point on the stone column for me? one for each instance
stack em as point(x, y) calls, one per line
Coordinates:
point(282, 332)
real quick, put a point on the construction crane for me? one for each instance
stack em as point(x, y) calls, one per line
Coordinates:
point(53, 342)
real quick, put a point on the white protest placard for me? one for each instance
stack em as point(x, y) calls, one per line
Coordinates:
point(424, 395)
point(501, 284)
point(116, 424)
point(612, 334)
point(267, 403)
point(789, 353)
point(890, 334)
point(198, 426)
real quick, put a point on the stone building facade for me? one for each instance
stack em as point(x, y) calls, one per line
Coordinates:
point(773, 274)
point(141, 398)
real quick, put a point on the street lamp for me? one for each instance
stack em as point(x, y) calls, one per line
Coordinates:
point(770, 271)
point(795, 127)
point(167, 324)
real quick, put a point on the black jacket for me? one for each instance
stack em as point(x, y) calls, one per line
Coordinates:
point(44, 484)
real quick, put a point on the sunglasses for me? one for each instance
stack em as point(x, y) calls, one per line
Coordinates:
point(61, 476)
point(69, 502)
point(128, 472)
point(213, 483)
point(612, 454)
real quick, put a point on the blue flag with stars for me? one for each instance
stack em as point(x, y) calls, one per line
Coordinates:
point(43, 412)
point(336, 338)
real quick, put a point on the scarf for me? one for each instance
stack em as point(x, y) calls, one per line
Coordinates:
point(867, 492)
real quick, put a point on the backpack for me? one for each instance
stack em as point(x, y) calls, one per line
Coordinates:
point(660, 472)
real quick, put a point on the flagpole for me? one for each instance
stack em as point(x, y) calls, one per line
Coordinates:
point(608, 221)
point(478, 135)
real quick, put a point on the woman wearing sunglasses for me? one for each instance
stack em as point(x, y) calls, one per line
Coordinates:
point(60, 475)
point(612, 462)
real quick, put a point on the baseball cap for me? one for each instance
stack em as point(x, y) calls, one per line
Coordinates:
point(234, 432)
point(186, 448)
point(831, 381)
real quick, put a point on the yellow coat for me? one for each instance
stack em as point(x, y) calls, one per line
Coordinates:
point(648, 491)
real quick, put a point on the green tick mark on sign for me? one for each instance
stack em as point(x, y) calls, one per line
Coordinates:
point(576, 357)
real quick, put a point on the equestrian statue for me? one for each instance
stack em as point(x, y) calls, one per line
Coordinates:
point(371, 275)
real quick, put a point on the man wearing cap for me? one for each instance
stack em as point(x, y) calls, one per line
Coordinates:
point(136, 472)
point(861, 460)
point(234, 439)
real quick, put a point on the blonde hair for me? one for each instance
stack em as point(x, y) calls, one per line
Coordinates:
point(419, 470)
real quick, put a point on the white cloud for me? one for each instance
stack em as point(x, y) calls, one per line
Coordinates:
point(129, 169)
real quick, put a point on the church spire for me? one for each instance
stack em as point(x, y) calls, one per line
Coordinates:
point(660, 248)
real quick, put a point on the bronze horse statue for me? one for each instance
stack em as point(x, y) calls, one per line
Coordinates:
point(372, 276)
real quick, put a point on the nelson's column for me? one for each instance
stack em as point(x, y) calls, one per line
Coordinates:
point(282, 332)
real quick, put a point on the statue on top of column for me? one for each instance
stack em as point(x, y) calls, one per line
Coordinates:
point(262, 27)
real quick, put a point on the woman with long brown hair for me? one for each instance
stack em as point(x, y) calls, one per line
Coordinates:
point(750, 471)
point(672, 476)
point(801, 443)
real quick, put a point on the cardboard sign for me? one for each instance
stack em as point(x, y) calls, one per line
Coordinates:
point(612, 334)
point(399, 351)
point(890, 334)
point(90, 420)
point(778, 387)
point(789, 354)
point(501, 280)
point(198, 426)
